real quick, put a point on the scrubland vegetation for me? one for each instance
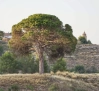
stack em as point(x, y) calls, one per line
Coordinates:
point(59, 81)
point(29, 80)
point(44, 34)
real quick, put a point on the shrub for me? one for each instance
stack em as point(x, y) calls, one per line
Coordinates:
point(60, 65)
point(79, 69)
point(8, 64)
point(28, 64)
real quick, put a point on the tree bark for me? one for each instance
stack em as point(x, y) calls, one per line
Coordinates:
point(41, 60)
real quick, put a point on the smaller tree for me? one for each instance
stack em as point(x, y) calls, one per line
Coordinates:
point(8, 64)
point(82, 40)
point(89, 42)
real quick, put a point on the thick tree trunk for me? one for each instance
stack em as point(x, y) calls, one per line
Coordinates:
point(41, 60)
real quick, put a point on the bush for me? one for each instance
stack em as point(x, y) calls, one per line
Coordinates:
point(60, 65)
point(8, 64)
point(28, 64)
point(79, 69)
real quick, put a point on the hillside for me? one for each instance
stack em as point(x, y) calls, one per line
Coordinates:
point(86, 55)
point(61, 81)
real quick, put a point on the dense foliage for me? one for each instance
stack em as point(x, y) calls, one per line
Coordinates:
point(40, 21)
point(7, 63)
point(29, 64)
point(79, 69)
point(26, 64)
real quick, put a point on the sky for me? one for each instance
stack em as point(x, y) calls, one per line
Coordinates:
point(82, 15)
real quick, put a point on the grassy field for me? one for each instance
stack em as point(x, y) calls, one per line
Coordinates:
point(60, 81)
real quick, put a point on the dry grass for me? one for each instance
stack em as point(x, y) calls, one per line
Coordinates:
point(23, 80)
point(89, 78)
point(64, 81)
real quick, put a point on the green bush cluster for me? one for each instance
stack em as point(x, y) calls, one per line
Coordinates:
point(60, 65)
point(11, 64)
point(31, 65)
point(28, 64)
point(83, 40)
point(8, 64)
point(79, 69)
